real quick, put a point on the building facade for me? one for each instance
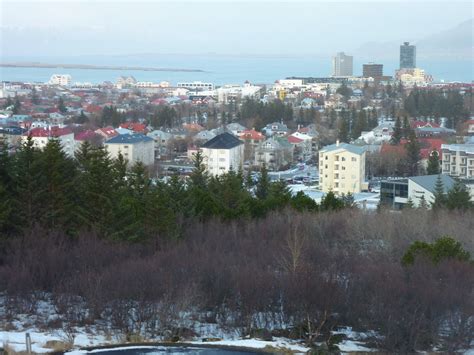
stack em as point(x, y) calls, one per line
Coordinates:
point(407, 56)
point(41, 136)
point(458, 160)
point(372, 70)
point(133, 147)
point(342, 65)
point(223, 153)
point(342, 168)
point(60, 79)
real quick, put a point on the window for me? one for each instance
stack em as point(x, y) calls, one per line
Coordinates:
point(326, 157)
point(343, 168)
point(125, 147)
point(354, 159)
point(343, 159)
point(325, 166)
point(221, 159)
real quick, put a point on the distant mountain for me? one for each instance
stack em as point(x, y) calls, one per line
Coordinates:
point(454, 43)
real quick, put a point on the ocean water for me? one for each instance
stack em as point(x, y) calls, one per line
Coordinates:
point(218, 69)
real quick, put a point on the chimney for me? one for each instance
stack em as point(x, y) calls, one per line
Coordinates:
point(337, 143)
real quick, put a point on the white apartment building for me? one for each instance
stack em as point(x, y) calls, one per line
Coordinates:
point(196, 85)
point(60, 79)
point(41, 136)
point(458, 160)
point(133, 147)
point(342, 168)
point(223, 153)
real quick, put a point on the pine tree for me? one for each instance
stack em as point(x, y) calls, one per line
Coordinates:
point(263, 185)
point(458, 197)
point(330, 202)
point(343, 132)
point(438, 194)
point(413, 154)
point(423, 205)
point(61, 107)
point(16, 106)
point(433, 163)
point(397, 132)
point(406, 127)
point(8, 103)
point(34, 97)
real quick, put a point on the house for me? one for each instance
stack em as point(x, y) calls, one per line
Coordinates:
point(274, 153)
point(41, 136)
point(397, 192)
point(135, 127)
point(470, 127)
point(342, 168)
point(305, 145)
point(275, 128)
point(161, 140)
point(235, 128)
point(223, 153)
point(204, 136)
point(107, 132)
point(133, 147)
point(11, 135)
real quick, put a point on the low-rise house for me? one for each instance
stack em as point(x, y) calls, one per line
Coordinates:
point(274, 153)
point(306, 146)
point(133, 147)
point(107, 132)
point(223, 153)
point(342, 168)
point(204, 136)
point(275, 129)
point(136, 127)
point(161, 141)
point(235, 128)
point(11, 135)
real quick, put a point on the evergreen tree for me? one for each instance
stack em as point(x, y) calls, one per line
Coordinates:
point(16, 106)
point(409, 205)
point(331, 203)
point(438, 194)
point(263, 185)
point(82, 118)
point(343, 132)
point(413, 154)
point(34, 97)
point(8, 103)
point(458, 197)
point(423, 205)
point(397, 132)
point(57, 181)
point(61, 106)
point(406, 127)
point(433, 163)
point(301, 202)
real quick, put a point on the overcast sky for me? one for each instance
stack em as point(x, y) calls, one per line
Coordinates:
point(37, 28)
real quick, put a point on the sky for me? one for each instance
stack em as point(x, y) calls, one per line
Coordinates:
point(72, 28)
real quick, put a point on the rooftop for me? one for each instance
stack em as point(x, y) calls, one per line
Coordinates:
point(129, 139)
point(223, 141)
point(344, 146)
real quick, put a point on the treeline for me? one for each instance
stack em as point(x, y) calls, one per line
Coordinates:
point(94, 192)
point(436, 104)
point(265, 113)
point(289, 274)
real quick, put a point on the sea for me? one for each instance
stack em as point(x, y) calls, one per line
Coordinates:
point(217, 69)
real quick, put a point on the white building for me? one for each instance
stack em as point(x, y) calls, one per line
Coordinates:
point(458, 160)
point(223, 153)
point(342, 65)
point(60, 79)
point(196, 85)
point(229, 93)
point(133, 147)
point(41, 136)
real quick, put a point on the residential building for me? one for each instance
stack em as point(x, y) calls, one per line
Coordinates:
point(235, 128)
point(342, 168)
point(107, 132)
point(397, 192)
point(458, 160)
point(275, 128)
point(60, 79)
point(11, 135)
point(223, 153)
point(407, 56)
point(196, 85)
point(274, 153)
point(133, 147)
point(372, 70)
point(342, 65)
point(41, 136)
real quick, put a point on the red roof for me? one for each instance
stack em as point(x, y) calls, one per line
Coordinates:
point(294, 140)
point(107, 132)
point(423, 124)
point(93, 109)
point(85, 135)
point(251, 134)
point(193, 127)
point(52, 132)
point(134, 126)
point(430, 144)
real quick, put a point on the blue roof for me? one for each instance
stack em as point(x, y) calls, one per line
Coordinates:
point(129, 139)
point(356, 149)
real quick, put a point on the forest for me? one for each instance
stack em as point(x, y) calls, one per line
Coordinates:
point(110, 247)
